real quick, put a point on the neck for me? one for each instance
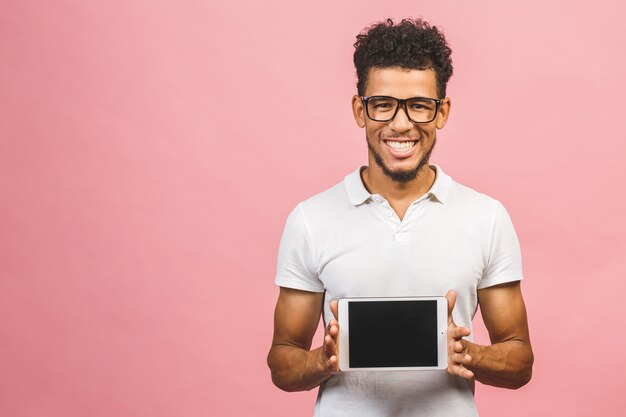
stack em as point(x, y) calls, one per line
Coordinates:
point(377, 182)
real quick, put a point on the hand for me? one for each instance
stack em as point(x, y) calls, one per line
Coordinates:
point(329, 354)
point(458, 358)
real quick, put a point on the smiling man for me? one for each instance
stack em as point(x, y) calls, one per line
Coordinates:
point(400, 227)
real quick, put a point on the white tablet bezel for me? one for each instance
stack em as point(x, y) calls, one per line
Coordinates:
point(442, 333)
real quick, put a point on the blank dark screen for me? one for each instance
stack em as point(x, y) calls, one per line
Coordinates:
point(393, 333)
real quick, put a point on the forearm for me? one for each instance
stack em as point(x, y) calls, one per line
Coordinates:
point(505, 364)
point(296, 369)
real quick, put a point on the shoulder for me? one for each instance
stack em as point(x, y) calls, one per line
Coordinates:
point(464, 202)
point(463, 195)
point(330, 198)
point(333, 200)
point(327, 210)
point(456, 195)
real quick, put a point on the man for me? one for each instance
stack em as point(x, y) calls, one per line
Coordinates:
point(400, 227)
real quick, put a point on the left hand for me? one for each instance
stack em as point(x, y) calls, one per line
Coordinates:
point(458, 358)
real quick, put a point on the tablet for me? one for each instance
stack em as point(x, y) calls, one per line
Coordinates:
point(399, 333)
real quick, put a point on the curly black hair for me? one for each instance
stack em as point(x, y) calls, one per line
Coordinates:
point(412, 43)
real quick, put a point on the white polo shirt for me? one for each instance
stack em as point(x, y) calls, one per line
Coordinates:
point(347, 242)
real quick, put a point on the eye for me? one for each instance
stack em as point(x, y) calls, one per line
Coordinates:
point(421, 105)
point(382, 104)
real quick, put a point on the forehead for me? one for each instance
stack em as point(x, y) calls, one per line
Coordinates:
point(401, 82)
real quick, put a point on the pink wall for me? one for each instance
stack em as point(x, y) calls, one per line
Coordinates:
point(150, 152)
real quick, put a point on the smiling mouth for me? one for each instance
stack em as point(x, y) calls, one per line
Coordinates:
point(400, 146)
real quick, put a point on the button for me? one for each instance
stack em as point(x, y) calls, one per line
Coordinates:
point(378, 201)
point(388, 213)
point(401, 237)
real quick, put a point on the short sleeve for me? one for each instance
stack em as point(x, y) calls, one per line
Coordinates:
point(504, 262)
point(296, 267)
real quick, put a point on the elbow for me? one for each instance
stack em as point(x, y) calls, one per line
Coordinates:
point(278, 378)
point(526, 373)
point(280, 384)
point(284, 385)
point(524, 378)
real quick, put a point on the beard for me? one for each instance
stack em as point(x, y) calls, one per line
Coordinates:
point(402, 176)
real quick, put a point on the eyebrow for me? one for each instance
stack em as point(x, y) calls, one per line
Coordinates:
point(421, 98)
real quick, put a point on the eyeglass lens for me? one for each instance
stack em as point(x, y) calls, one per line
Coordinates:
point(383, 109)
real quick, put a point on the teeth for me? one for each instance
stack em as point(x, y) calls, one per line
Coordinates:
point(401, 146)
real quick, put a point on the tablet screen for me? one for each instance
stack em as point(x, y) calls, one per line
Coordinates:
point(393, 333)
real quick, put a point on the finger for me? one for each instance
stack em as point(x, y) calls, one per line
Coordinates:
point(330, 347)
point(463, 372)
point(458, 332)
point(451, 297)
point(330, 352)
point(332, 364)
point(334, 308)
point(460, 371)
point(333, 328)
point(460, 358)
point(456, 345)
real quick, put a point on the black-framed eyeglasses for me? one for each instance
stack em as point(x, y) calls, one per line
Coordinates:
point(417, 109)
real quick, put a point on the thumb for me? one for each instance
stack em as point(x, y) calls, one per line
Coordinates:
point(333, 307)
point(451, 297)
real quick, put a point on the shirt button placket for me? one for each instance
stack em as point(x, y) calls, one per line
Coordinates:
point(401, 237)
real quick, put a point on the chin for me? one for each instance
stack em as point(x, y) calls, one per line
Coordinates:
point(402, 175)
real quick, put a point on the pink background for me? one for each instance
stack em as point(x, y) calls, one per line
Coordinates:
point(150, 152)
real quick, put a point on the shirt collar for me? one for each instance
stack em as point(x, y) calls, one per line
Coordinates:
point(442, 185)
point(358, 194)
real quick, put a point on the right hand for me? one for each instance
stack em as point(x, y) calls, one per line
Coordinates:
point(329, 353)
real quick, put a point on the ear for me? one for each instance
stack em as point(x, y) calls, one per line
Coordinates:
point(444, 112)
point(358, 110)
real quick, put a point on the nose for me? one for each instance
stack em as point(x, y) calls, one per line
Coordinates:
point(401, 122)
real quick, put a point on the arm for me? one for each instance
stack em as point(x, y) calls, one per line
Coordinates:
point(508, 361)
point(294, 366)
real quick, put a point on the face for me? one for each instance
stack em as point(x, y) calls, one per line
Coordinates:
point(400, 148)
